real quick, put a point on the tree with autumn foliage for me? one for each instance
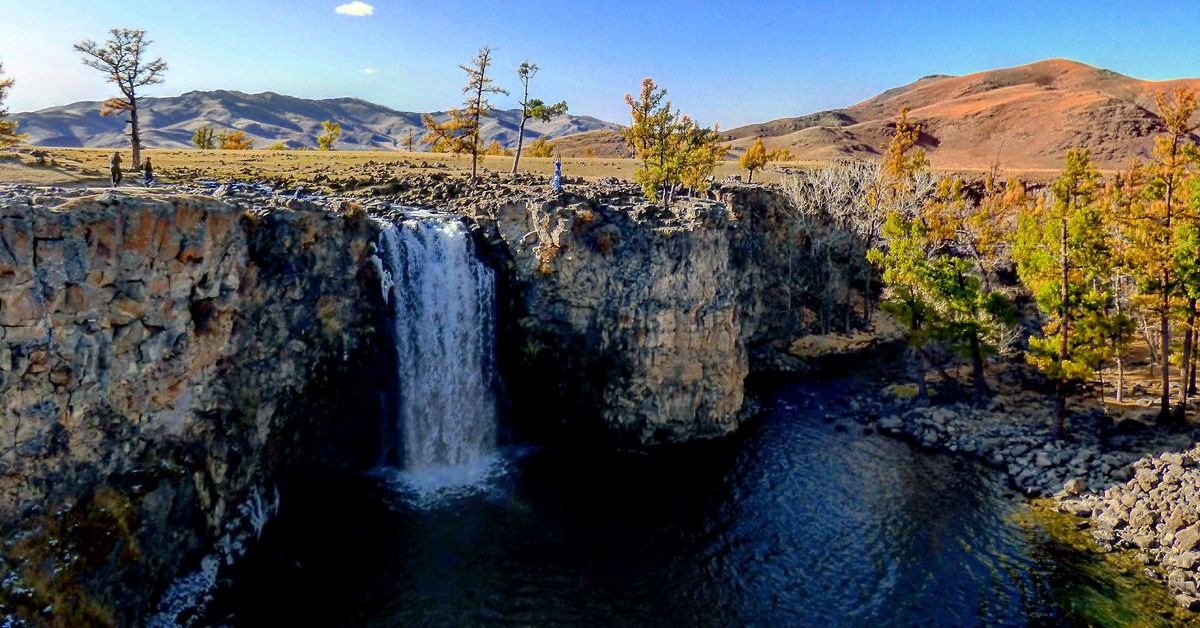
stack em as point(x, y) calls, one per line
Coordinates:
point(330, 132)
point(1064, 254)
point(205, 138)
point(446, 136)
point(541, 147)
point(124, 60)
point(234, 140)
point(479, 86)
point(1157, 195)
point(8, 128)
point(674, 149)
point(755, 158)
point(532, 108)
point(903, 157)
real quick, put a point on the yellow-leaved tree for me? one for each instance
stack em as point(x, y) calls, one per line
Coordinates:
point(676, 152)
point(903, 158)
point(1157, 199)
point(234, 140)
point(330, 132)
point(755, 158)
point(8, 128)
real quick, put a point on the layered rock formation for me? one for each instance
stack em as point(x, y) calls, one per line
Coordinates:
point(636, 324)
point(162, 364)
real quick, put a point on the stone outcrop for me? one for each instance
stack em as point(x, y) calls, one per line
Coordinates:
point(164, 364)
point(636, 324)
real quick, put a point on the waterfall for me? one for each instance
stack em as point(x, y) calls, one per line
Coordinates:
point(443, 325)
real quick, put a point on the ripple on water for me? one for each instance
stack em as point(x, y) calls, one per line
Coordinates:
point(790, 522)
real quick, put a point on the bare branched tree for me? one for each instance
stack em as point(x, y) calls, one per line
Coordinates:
point(124, 61)
point(532, 108)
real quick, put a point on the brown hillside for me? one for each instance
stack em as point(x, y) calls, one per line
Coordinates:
point(1026, 117)
point(603, 143)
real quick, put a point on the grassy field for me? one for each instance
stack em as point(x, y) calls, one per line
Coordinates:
point(86, 166)
point(92, 165)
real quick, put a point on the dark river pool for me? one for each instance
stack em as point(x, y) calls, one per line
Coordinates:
point(793, 522)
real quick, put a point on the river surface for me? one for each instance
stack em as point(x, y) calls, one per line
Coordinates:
point(794, 521)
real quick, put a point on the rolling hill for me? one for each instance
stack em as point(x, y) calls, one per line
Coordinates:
point(267, 118)
point(1024, 117)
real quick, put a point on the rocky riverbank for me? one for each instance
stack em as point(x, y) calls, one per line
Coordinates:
point(1134, 485)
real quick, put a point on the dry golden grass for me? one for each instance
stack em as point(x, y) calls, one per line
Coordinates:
point(79, 164)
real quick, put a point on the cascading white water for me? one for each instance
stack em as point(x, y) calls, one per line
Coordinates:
point(443, 305)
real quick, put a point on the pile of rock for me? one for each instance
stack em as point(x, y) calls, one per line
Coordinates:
point(1156, 513)
point(1022, 444)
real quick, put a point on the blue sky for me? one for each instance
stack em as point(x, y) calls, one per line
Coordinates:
point(727, 62)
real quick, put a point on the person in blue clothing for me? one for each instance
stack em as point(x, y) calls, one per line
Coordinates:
point(556, 182)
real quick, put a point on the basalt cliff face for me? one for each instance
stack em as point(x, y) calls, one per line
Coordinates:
point(171, 364)
point(634, 324)
point(164, 364)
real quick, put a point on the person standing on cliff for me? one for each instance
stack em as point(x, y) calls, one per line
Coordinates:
point(114, 168)
point(147, 173)
point(556, 182)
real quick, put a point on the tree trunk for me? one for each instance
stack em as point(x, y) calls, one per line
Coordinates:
point(135, 137)
point(867, 300)
point(1120, 379)
point(750, 179)
point(1192, 372)
point(977, 373)
point(1164, 323)
point(1060, 408)
point(1164, 320)
point(1188, 348)
point(520, 142)
point(1060, 402)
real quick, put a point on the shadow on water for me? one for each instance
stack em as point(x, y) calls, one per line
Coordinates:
point(794, 521)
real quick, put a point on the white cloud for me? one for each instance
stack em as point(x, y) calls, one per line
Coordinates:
point(358, 8)
point(369, 71)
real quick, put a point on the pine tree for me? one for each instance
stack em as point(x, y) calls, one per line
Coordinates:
point(8, 128)
point(906, 270)
point(1057, 249)
point(755, 158)
point(204, 138)
point(1157, 198)
point(122, 58)
point(674, 149)
point(532, 108)
point(479, 86)
point(448, 136)
point(903, 158)
point(330, 132)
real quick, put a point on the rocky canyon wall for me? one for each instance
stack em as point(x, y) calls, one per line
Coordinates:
point(635, 325)
point(163, 365)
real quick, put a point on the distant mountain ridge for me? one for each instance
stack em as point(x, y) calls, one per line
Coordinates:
point(1024, 117)
point(1020, 117)
point(268, 118)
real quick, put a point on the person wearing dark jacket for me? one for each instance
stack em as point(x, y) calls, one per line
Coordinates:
point(147, 173)
point(114, 167)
